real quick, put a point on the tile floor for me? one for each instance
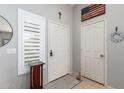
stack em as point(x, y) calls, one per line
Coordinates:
point(65, 82)
point(89, 84)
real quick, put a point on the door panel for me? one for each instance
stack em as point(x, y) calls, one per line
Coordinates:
point(92, 47)
point(59, 44)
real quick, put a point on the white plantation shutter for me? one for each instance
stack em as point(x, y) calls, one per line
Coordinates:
point(31, 40)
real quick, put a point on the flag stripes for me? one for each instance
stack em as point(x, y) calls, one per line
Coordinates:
point(92, 11)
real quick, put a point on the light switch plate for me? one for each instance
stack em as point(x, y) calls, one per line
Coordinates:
point(11, 51)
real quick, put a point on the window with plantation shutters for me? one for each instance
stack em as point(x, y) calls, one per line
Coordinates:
point(31, 40)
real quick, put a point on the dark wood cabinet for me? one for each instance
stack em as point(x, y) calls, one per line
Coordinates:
point(36, 75)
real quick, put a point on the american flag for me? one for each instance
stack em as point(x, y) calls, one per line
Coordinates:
point(92, 11)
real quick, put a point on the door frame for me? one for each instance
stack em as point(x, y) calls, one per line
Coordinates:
point(69, 39)
point(92, 21)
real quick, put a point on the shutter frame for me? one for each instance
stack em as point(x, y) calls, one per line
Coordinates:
point(31, 35)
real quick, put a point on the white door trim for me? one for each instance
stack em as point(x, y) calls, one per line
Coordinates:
point(69, 34)
point(105, 43)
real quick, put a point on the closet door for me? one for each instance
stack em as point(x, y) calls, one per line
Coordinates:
point(92, 55)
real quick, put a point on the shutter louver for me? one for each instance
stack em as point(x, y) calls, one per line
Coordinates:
point(31, 42)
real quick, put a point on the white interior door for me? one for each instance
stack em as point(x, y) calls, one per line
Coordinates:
point(92, 56)
point(58, 60)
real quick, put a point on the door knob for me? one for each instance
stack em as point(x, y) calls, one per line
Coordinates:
point(101, 55)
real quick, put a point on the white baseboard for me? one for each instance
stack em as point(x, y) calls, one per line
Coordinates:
point(109, 87)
